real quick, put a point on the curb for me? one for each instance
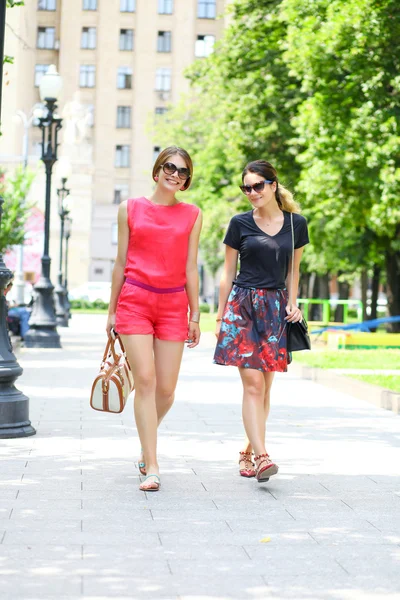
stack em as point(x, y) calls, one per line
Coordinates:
point(380, 397)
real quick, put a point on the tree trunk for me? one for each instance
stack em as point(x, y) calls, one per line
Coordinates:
point(344, 290)
point(304, 285)
point(320, 290)
point(364, 288)
point(376, 279)
point(392, 264)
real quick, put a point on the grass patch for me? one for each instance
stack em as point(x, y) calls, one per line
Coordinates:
point(390, 382)
point(89, 311)
point(349, 359)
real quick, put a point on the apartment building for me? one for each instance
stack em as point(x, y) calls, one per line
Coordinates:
point(122, 64)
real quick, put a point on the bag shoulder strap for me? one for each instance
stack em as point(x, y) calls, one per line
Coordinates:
point(292, 266)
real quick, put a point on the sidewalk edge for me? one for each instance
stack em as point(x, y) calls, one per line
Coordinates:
point(380, 397)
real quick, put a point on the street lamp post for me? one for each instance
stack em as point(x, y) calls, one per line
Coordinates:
point(14, 405)
point(67, 233)
point(60, 291)
point(42, 331)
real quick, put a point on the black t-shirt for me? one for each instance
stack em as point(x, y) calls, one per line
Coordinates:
point(264, 259)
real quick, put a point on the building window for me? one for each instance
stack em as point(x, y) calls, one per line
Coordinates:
point(156, 152)
point(165, 7)
point(206, 9)
point(47, 4)
point(40, 70)
point(98, 271)
point(121, 192)
point(123, 117)
point(87, 76)
point(46, 37)
point(124, 78)
point(126, 39)
point(163, 79)
point(88, 38)
point(164, 41)
point(204, 45)
point(89, 5)
point(161, 110)
point(127, 5)
point(114, 233)
point(122, 156)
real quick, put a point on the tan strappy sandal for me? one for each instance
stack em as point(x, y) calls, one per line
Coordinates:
point(249, 467)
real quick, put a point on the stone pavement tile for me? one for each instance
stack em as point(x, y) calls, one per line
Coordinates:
point(72, 537)
point(177, 502)
point(385, 524)
point(162, 586)
point(41, 551)
point(42, 585)
point(136, 527)
point(41, 524)
point(182, 552)
point(242, 538)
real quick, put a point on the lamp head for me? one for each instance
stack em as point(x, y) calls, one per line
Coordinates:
point(50, 85)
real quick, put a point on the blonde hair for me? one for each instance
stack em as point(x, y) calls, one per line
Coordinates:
point(166, 154)
point(283, 196)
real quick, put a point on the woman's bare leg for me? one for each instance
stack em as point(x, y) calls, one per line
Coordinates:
point(167, 358)
point(253, 408)
point(139, 350)
point(268, 378)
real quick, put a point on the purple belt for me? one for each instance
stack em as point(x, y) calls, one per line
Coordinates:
point(150, 288)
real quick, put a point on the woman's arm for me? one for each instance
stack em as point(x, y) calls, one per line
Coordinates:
point(225, 286)
point(118, 277)
point(192, 282)
point(294, 314)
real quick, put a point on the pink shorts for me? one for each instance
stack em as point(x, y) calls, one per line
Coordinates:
point(144, 312)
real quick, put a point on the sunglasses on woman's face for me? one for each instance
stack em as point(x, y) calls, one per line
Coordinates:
point(169, 169)
point(257, 187)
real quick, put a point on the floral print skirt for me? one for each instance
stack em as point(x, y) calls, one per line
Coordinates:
point(253, 330)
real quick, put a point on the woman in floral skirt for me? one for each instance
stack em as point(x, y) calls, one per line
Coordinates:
point(254, 305)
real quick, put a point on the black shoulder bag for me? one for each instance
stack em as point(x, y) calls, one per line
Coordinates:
point(297, 333)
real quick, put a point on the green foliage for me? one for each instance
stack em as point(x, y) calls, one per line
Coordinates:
point(313, 86)
point(346, 54)
point(96, 304)
point(204, 308)
point(14, 190)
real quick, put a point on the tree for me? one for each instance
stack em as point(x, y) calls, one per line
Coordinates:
point(346, 53)
point(15, 208)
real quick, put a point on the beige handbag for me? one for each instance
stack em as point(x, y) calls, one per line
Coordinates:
point(114, 383)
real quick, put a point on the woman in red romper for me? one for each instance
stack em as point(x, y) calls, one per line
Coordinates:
point(154, 282)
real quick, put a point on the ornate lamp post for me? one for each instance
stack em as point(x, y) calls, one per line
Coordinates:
point(42, 331)
point(67, 233)
point(63, 211)
point(14, 405)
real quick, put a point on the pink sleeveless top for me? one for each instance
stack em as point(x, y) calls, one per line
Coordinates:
point(158, 242)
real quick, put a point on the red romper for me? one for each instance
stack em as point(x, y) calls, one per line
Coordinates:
point(153, 299)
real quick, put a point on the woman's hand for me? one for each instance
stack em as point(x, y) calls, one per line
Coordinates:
point(294, 315)
point(110, 324)
point(217, 328)
point(193, 334)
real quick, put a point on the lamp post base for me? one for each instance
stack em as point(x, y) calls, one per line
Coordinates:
point(42, 337)
point(42, 331)
point(14, 415)
point(60, 305)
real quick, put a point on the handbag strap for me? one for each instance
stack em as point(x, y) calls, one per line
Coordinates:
point(292, 266)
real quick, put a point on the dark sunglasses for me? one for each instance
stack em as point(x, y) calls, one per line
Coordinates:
point(169, 169)
point(257, 187)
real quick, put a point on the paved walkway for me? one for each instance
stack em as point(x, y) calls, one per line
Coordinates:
point(73, 523)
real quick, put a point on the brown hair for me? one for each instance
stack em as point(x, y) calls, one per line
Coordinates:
point(283, 196)
point(166, 154)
